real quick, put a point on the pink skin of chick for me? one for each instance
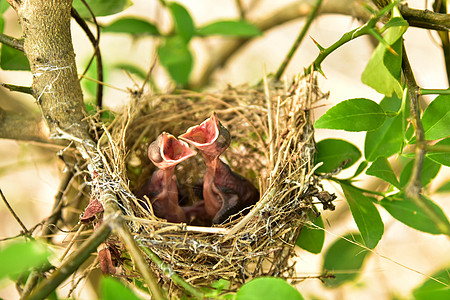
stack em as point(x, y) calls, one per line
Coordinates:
point(225, 193)
point(165, 153)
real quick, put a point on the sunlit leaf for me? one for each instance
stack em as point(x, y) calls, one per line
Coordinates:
point(344, 259)
point(429, 170)
point(353, 115)
point(229, 28)
point(132, 26)
point(437, 289)
point(100, 7)
point(12, 59)
point(311, 238)
point(18, 257)
point(365, 214)
point(113, 289)
point(441, 157)
point(388, 139)
point(406, 211)
point(436, 118)
point(182, 20)
point(362, 166)
point(176, 58)
point(267, 288)
point(382, 169)
point(336, 154)
point(383, 72)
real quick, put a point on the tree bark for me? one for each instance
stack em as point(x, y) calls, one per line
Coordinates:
point(48, 47)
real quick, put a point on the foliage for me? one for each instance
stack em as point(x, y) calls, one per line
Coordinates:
point(392, 137)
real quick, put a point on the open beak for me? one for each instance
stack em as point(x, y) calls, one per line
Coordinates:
point(210, 137)
point(166, 151)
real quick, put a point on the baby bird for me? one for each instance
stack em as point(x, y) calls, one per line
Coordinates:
point(165, 153)
point(225, 193)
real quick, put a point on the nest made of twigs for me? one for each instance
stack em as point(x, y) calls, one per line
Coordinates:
point(272, 146)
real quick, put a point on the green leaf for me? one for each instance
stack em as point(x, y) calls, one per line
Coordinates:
point(113, 289)
point(336, 154)
point(444, 188)
point(176, 58)
point(394, 22)
point(132, 26)
point(3, 7)
point(267, 288)
point(429, 171)
point(383, 72)
point(406, 211)
point(229, 28)
point(362, 166)
point(388, 139)
point(365, 215)
point(311, 238)
point(441, 157)
point(344, 259)
point(12, 59)
point(382, 169)
point(18, 257)
point(353, 115)
point(431, 289)
point(100, 7)
point(183, 22)
point(436, 118)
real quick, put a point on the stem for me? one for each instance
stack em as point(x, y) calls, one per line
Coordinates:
point(312, 15)
point(11, 210)
point(139, 260)
point(12, 42)
point(171, 274)
point(441, 7)
point(72, 263)
point(414, 186)
point(434, 91)
point(367, 28)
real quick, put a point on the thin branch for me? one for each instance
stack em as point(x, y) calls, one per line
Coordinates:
point(97, 54)
point(441, 7)
point(174, 276)
point(23, 127)
point(12, 42)
point(311, 16)
point(57, 206)
point(72, 263)
point(414, 186)
point(139, 260)
point(11, 210)
point(293, 11)
point(17, 88)
point(425, 18)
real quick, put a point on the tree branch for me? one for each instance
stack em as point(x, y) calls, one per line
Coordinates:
point(413, 187)
point(426, 19)
point(286, 14)
point(12, 42)
point(21, 127)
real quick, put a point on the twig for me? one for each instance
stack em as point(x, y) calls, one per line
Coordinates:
point(12, 42)
point(368, 28)
point(133, 249)
point(425, 18)
point(434, 91)
point(57, 205)
point(414, 186)
point(11, 210)
point(74, 239)
point(72, 263)
point(311, 16)
point(441, 7)
point(97, 54)
point(170, 273)
point(17, 88)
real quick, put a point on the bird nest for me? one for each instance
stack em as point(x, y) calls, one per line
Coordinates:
point(272, 146)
